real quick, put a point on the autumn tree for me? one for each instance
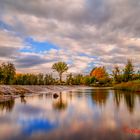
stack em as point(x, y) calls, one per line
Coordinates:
point(60, 67)
point(99, 73)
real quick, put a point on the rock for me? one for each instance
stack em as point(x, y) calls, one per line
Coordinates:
point(55, 95)
point(22, 95)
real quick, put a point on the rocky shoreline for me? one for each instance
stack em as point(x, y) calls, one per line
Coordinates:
point(8, 92)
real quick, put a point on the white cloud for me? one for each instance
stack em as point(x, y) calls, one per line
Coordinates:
point(107, 30)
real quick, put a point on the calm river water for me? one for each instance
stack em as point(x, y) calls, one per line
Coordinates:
point(83, 114)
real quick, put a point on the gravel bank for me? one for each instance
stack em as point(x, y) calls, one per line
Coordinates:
point(8, 92)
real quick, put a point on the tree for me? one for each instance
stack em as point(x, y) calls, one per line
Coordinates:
point(128, 71)
point(7, 73)
point(60, 67)
point(77, 79)
point(99, 72)
point(138, 72)
point(88, 80)
point(40, 79)
point(69, 79)
point(138, 75)
point(48, 79)
point(1, 75)
point(116, 74)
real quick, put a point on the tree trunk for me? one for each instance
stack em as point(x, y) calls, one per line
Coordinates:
point(60, 75)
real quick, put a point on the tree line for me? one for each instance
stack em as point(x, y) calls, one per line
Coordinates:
point(97, 77)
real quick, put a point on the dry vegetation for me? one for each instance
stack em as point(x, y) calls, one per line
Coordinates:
point(129, 86)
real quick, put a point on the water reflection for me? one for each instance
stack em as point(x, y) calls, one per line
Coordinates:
point(117, 97)
point(23, 100)
point(59, 104)
point(129, 98)
point(82, 114)
point(100, 96)
point(40, 96)
point(7, 105)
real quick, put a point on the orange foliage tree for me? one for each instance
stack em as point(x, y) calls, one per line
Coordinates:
point(99, 73)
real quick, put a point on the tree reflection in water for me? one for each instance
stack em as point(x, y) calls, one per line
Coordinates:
point(60, 104)
point(128, 97)
point(117, 98)
point(7, 105)
point(23, 100)
point(40, 96)
point(100, 96)
point(130, 101)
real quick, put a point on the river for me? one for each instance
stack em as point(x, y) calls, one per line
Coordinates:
point(82, 114)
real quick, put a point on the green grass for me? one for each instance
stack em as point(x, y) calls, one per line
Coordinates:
point(129, 86)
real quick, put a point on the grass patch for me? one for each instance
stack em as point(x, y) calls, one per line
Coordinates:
point(129, 86)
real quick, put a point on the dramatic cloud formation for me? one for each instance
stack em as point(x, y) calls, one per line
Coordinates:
point(85, 33)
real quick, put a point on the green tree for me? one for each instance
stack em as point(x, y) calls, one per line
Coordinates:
point(77, 79)
point(1, 75)
point(128, 71)
point(60, 67)
point(116, 73)
point(88, 80)
point(40, 79)
point(48, 79)
point(7, 73)
point(138, 75)
point(69, 80)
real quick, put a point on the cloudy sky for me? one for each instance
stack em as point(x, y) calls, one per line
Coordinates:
point(84, 33)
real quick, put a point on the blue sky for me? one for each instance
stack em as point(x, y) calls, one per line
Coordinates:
point(5, 26)
point(83, 33)
point(38, 46)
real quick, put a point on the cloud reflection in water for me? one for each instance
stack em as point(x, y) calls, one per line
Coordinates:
point(83, 114)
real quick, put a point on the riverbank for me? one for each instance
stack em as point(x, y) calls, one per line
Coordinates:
point(8, 92)
point(133, 86)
